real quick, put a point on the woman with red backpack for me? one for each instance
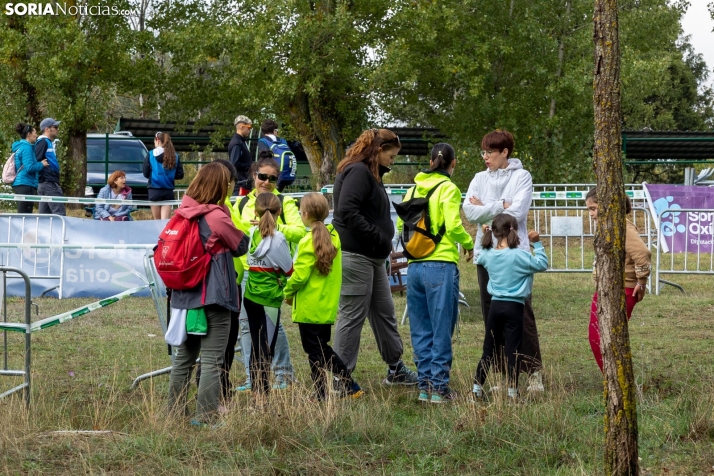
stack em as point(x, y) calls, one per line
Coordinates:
point(216, 295)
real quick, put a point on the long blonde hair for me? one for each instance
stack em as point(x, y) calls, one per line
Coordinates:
point(316, 207)
point(267, 206)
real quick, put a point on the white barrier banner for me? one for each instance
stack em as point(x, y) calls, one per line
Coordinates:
point(89, 272)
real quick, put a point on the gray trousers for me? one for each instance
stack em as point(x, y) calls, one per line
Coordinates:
point(51, 189)
point(364, 294)
point(211, 347)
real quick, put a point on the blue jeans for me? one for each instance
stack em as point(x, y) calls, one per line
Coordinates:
point(432, 301)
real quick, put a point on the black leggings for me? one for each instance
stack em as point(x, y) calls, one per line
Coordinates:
point(263, 336)
point(504, 330)
point(322, 358)
point(24, 207)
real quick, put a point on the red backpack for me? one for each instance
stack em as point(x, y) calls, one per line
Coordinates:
point(180, 257)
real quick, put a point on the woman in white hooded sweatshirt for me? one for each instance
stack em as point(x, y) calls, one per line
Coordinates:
point(505, 187)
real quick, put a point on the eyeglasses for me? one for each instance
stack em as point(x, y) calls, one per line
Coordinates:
point(269, 178)
point(484, 153)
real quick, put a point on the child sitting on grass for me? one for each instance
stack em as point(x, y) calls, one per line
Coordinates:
point(313, 290)
point(511, 279)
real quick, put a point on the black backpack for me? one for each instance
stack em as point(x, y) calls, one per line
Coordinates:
point(418, 242)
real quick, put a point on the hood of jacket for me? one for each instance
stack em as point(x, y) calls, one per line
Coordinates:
point(191, 209)
point(20, 143)
point(513, 164)
point(429, 179)
point(260, 249)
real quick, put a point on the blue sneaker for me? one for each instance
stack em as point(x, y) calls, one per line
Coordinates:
point(246, 387)
point(444, 396)
point(281, 385)
point(207, 426)
point(423, 396)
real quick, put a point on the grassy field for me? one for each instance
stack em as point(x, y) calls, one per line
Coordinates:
point(82, 371)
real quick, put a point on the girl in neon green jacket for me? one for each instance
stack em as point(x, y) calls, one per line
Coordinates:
point(313, 290)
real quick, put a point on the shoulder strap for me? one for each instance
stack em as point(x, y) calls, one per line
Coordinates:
point(442, 229)
point(241, 205)
point(281, 197)
point(431, 192)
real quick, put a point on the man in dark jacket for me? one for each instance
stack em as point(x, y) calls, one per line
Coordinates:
point(49, 176)
point(239, 155)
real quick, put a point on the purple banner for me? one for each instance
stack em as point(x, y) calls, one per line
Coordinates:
point(689, 230)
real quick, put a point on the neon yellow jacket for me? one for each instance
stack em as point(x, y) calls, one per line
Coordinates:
point(315, 297)
point(444, 209)
point(292, 228)
point(237, 262)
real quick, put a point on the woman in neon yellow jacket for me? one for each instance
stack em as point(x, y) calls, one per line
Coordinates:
point(313, 290)
point(433, 284)
point(291, 226)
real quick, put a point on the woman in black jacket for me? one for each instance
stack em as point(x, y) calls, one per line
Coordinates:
point(363, 219)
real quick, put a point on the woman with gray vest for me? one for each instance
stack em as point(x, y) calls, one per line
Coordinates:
point(362, 218)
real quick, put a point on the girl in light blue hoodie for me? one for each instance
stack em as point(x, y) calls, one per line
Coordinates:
point(511, 278)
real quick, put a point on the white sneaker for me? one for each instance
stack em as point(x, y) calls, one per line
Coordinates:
point(535, 382)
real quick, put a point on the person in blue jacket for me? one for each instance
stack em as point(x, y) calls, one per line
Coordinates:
point(27, 167)
point(162, 167)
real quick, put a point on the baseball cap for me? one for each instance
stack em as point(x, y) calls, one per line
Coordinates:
point(48, 122)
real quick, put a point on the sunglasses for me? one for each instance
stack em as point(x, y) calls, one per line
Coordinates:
point(269, 178)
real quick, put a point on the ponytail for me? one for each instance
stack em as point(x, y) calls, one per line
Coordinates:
point(325, 250)
point(442, 156)
point(512, 238)
point(504, 226)
point(315, 206)
point(169, 150)
point(267, 206)
point(487, 240)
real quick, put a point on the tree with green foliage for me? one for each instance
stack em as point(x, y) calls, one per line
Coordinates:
point(526, 66)
point(74, 66)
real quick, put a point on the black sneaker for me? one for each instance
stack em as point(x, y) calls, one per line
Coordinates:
point(402, 376)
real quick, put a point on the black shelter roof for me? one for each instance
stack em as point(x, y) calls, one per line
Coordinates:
point(670, 145)
point(415, 141)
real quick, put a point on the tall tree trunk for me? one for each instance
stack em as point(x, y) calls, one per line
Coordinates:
point(319, 135)
point(621, 453)
point(74, 170)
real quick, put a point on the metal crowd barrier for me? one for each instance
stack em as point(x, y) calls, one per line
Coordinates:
point(675, 236)
point(569, 233)
point(158, 295)
point(24, 328)
point(36, 261)
point(30, 327)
